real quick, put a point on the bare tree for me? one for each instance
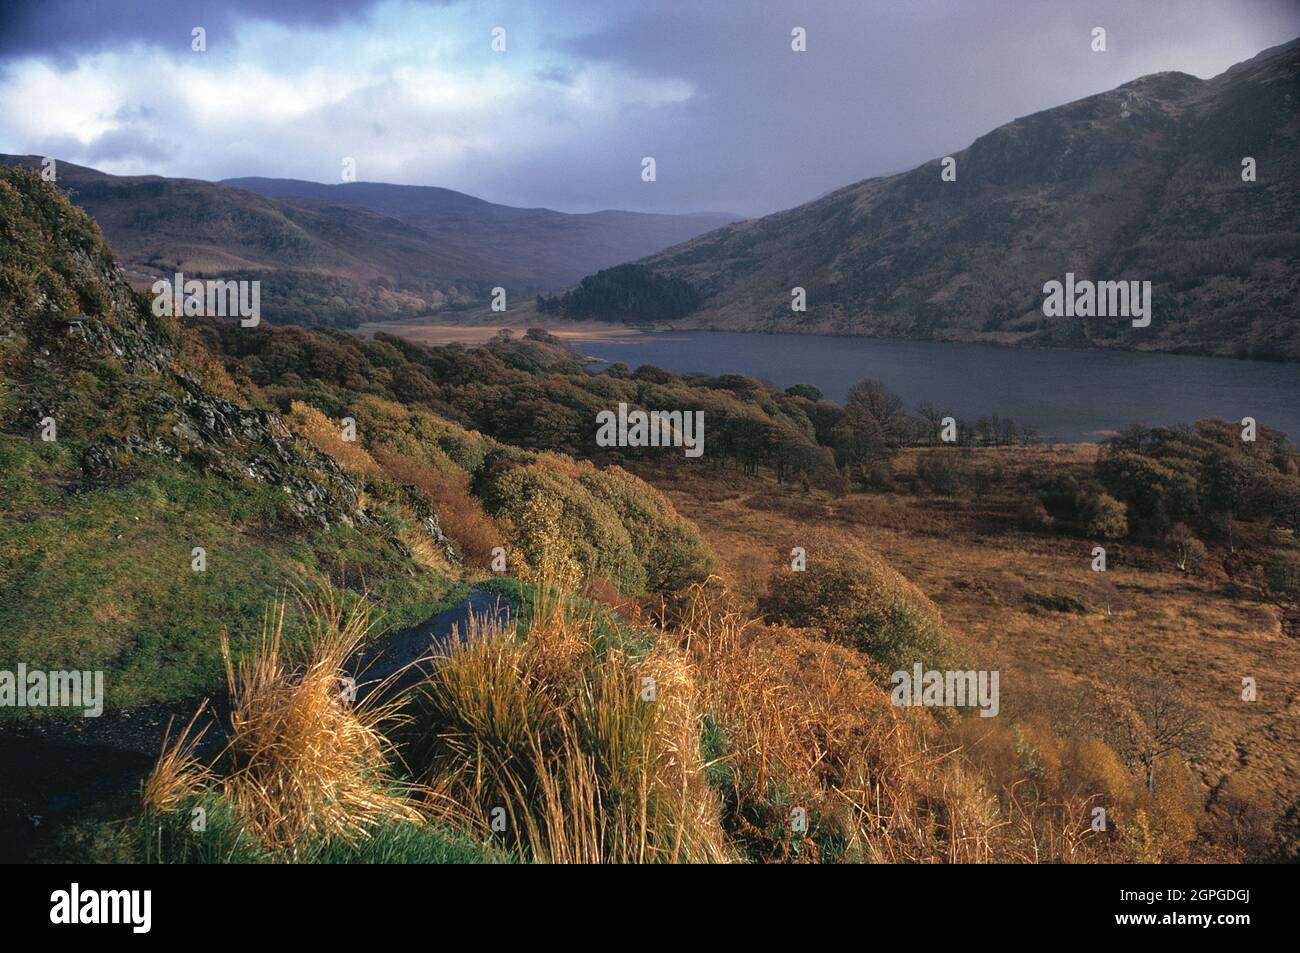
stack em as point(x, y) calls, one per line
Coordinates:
point(1144, 720)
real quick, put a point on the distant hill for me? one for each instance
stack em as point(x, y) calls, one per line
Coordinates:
point(340, 255)
point(1141, 183)
point(536, 249)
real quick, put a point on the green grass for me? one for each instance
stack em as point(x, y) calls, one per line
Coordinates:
point(101, 578)
point(172, 839)
point(608, 629)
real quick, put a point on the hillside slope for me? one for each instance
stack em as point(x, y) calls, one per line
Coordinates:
point(123, 449)
point(1139, 183)
point(334, 256)
point(154, 509)
point(126, 447)
point(537, 249)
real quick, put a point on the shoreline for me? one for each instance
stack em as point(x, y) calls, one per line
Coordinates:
point(479, 329)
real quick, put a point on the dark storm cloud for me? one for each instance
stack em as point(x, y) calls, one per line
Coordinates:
point(65, 29)
point(886, 86)
point(711, 89)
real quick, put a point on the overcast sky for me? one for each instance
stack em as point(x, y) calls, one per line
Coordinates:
point(735, 119)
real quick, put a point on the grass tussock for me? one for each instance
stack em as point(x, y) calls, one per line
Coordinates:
point(303, 763)
point(568, 747)
point(814, 763)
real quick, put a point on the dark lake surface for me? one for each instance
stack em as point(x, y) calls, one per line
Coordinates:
point(1069, 395)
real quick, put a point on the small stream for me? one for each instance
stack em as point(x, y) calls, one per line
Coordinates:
point(405, 658)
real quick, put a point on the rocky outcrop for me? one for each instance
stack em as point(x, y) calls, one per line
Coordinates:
point(87, 352)
point(440, 539)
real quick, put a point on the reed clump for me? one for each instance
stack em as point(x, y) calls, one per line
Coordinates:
point(571, 747)
point(304, 764)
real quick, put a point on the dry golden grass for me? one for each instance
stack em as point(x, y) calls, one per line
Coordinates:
point(327, 437)
point(425, 552)
point(808, 719)
point(179, 772)
point(461, 515)
point(559, 741)
point(990, 580)
point(303, 763)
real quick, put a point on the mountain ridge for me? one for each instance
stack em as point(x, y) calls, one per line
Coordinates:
point(324, 261)
point(1141, 182)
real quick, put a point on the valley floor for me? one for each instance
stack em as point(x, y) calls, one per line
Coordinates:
point(481, 327)
point(1029, 604)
